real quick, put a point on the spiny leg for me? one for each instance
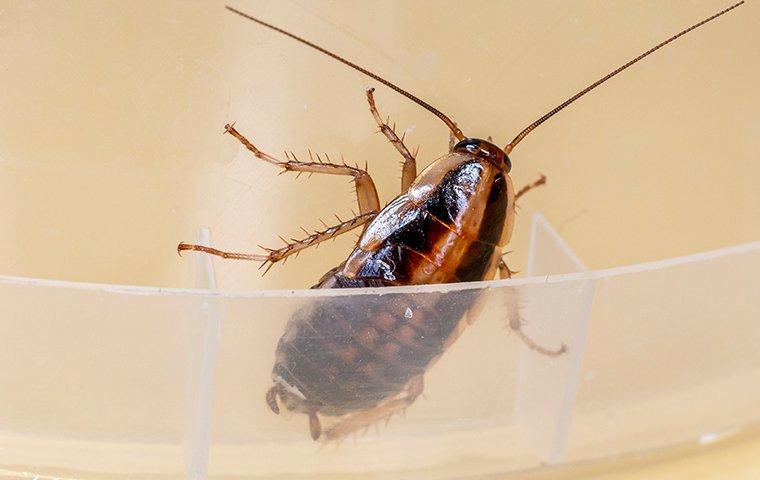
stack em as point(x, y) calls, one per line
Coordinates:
point(527, 188)
point(409, 170)
point(384, 411)
point(504, 271)
point(293, 247)
point(516, 323)
point(366, 193)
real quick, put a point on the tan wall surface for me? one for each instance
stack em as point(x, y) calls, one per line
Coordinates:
point(111, 149)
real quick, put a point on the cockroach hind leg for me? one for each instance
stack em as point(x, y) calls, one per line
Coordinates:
point(220, 253)
point(355, 422)
point(516, 325)
point(315, 427)
point(292, 247)
point(272, 399)
point(516, 322)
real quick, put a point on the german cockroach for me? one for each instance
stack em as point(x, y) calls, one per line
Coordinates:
point(363, 363)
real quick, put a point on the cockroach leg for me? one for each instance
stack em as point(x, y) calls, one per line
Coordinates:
point(275, 255)
point(452, 142)
point(516, 322)
point(504, 271)
point(527, 188)
point(409, 170)
point(366, 193)
point(516, 325)
point(220, 253)
point(272, 400)
point(384, 411)
point(315, 427)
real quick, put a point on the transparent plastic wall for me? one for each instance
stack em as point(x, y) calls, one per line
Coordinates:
point(111, 153)
point(171, 383)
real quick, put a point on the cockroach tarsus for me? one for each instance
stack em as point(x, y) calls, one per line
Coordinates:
point(363, 363)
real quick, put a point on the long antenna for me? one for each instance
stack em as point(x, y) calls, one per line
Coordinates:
point(452, 126)
point(578, 95)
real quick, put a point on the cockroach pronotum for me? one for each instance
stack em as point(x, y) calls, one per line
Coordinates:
point(449, 224)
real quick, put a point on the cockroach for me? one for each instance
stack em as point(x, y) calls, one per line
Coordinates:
point(363, 363)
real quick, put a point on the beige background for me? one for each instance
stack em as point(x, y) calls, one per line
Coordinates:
point(110, 129)
point(111, 149)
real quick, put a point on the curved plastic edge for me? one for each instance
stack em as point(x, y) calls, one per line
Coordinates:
point(556, 278)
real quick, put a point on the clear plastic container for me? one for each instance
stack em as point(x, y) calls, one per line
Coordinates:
point(111, 153)
point(172, 382)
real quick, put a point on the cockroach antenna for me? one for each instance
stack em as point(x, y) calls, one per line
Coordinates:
point(508, 148)
point(449, 123)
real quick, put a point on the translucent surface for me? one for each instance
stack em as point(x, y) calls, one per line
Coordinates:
point(124, 363)
point(672, 354)
point(546, 396)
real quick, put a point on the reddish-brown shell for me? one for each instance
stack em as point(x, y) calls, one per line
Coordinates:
point(344, 355)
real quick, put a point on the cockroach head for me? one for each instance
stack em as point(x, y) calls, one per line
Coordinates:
point(288, 395)
point(485, 150)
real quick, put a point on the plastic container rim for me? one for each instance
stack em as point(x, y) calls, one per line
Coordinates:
point(438, 288)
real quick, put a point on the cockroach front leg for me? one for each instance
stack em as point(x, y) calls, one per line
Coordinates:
point(528, 188)
point(516, 323)
point(293, 247)
point(357, 421)
point(504, 271)
point(409, 170)
point(366, 193)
